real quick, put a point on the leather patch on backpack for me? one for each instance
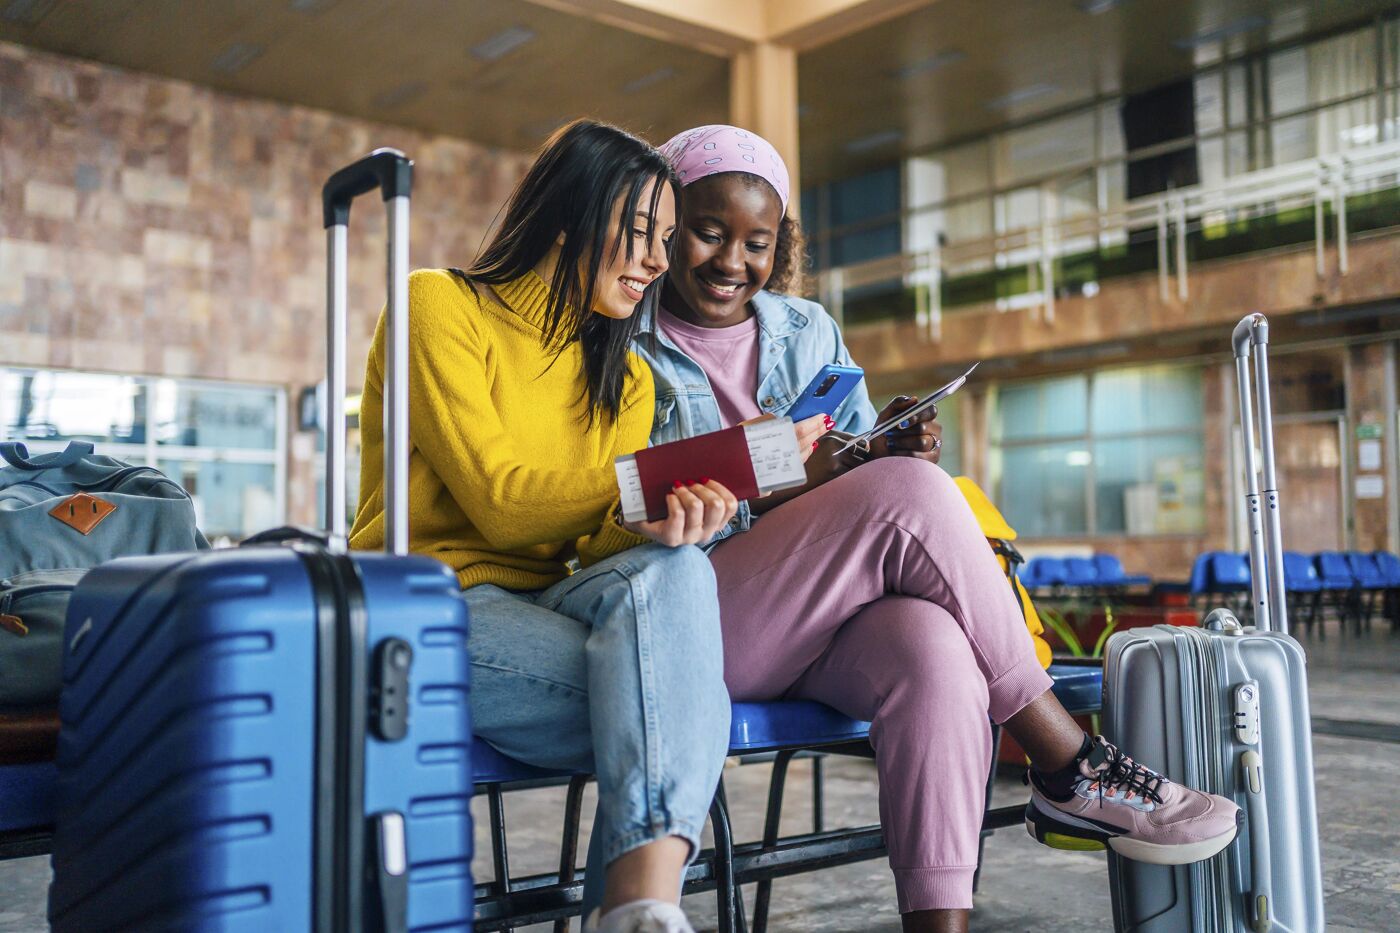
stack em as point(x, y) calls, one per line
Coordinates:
point(13, 625)
point(82, 512)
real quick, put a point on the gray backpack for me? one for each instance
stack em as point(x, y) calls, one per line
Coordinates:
point(61, 514)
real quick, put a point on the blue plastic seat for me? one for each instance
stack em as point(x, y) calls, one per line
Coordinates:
point(1229, 572)
point(1334, 571)
point(27, 796)
point(1080, 571)
point(1364, 571)
point(1047, 571)
point(1200, 574)
point(1079, 689)
point(1111, 573)
point(491, 767)
point(786, 723)
point(1299, 574)
point(1389, 566)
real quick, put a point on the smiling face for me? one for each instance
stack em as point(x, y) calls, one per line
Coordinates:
point(728, 235)
point(621, 280)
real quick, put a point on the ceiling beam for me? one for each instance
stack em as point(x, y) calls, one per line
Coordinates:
point(719, 27)
point(728, 27)
point(807, 24)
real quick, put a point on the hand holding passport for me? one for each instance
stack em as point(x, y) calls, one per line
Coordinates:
point(748, 459)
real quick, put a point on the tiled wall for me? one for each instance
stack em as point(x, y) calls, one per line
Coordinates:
point(152, 226)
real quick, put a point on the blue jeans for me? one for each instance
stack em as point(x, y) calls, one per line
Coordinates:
point(616, 670)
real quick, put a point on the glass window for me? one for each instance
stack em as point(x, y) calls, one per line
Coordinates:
point(1044, 148)
point(1210, 101)
point(60, 406)
point(1042, 489)
point(867, 244)
point(1051, 408)
point(950, 416)
point(873, 194)
point(229, 438)
point(192, 415)
point(1131, 438)
point(1149, 485)
point(231, 500)
point(1148, 399)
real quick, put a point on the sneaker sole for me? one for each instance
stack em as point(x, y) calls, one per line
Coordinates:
point(1058, 832)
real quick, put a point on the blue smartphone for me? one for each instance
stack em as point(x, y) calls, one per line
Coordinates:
point(825, 393)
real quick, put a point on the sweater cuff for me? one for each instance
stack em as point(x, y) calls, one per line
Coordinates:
point(612, 538)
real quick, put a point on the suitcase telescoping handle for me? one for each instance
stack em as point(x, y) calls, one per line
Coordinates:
point(391, 172)
point(1251, 339)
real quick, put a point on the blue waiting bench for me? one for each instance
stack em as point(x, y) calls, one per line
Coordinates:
point(781, 729)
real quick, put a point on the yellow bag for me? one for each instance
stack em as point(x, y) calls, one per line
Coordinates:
point(1000, 535)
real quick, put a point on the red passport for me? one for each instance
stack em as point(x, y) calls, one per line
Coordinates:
point(748, 460)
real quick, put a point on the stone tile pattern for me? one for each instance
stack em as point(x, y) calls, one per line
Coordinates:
point(153, 226)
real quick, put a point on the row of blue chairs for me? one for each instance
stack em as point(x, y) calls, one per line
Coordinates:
point(1352, 582)
point(1228, 572)
point(1102, 571)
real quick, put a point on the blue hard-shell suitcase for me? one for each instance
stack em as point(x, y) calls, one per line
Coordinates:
point(272, 737)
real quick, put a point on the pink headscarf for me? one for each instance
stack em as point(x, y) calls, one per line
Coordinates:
point(711, 150)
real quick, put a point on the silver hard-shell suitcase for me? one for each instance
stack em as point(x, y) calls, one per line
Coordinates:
point(1224, 709)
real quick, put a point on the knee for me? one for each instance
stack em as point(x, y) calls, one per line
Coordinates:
point(935, 663)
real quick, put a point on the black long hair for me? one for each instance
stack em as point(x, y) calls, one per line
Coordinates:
point(571, 189)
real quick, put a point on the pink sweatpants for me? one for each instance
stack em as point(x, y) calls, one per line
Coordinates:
point(878, 595)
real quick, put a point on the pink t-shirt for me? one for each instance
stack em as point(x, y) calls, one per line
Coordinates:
point(729, 356)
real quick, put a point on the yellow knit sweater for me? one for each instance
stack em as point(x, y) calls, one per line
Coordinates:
point(506, 479)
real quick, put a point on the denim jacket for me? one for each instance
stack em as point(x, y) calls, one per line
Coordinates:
point(798, 339)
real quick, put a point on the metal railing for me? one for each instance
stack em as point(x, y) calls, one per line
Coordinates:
point(1322, 184)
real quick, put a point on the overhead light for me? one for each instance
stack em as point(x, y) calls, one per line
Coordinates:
point(502, 43)
point(874, 141)
point(309, 6)
point(237, 56)
point(647, 80)
point(1021, 96)
point(398, 96)
point(931, 63)
point(26, 12)
point(1220, 33)
point(1095, 7)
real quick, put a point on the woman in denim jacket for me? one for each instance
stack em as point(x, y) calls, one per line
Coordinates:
point(871, 588)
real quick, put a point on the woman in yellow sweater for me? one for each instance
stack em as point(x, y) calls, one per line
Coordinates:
point(522, 393)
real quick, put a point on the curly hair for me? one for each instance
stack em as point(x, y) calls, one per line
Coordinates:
point(789, 258)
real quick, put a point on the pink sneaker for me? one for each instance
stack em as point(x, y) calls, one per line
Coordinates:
point(1138, 812)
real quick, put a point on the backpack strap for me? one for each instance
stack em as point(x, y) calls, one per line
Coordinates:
point(17, 455)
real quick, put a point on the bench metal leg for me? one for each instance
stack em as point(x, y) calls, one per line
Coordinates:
point(771, 823)
point(818, 794)
point(500, 858)
point(728, 898)
point(568, 847)
point(987, 805)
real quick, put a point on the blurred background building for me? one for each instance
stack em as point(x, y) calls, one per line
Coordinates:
point(1083, 194)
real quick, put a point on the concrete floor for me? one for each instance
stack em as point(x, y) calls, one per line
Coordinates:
point(1025, 886)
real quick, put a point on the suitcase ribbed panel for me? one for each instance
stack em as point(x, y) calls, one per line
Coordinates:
point(186, 754)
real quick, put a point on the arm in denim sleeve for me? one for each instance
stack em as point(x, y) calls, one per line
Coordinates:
point(855, 414)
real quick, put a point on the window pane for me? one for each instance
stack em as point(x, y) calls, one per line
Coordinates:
point(189, 415)
point(62, 406)
point(949, 416)
point(1042, 489)
point(231, 500)
point(1149, 485)
point(865, 196)
point(1052, 408)
point(1044, 148)
point(1148, 399)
